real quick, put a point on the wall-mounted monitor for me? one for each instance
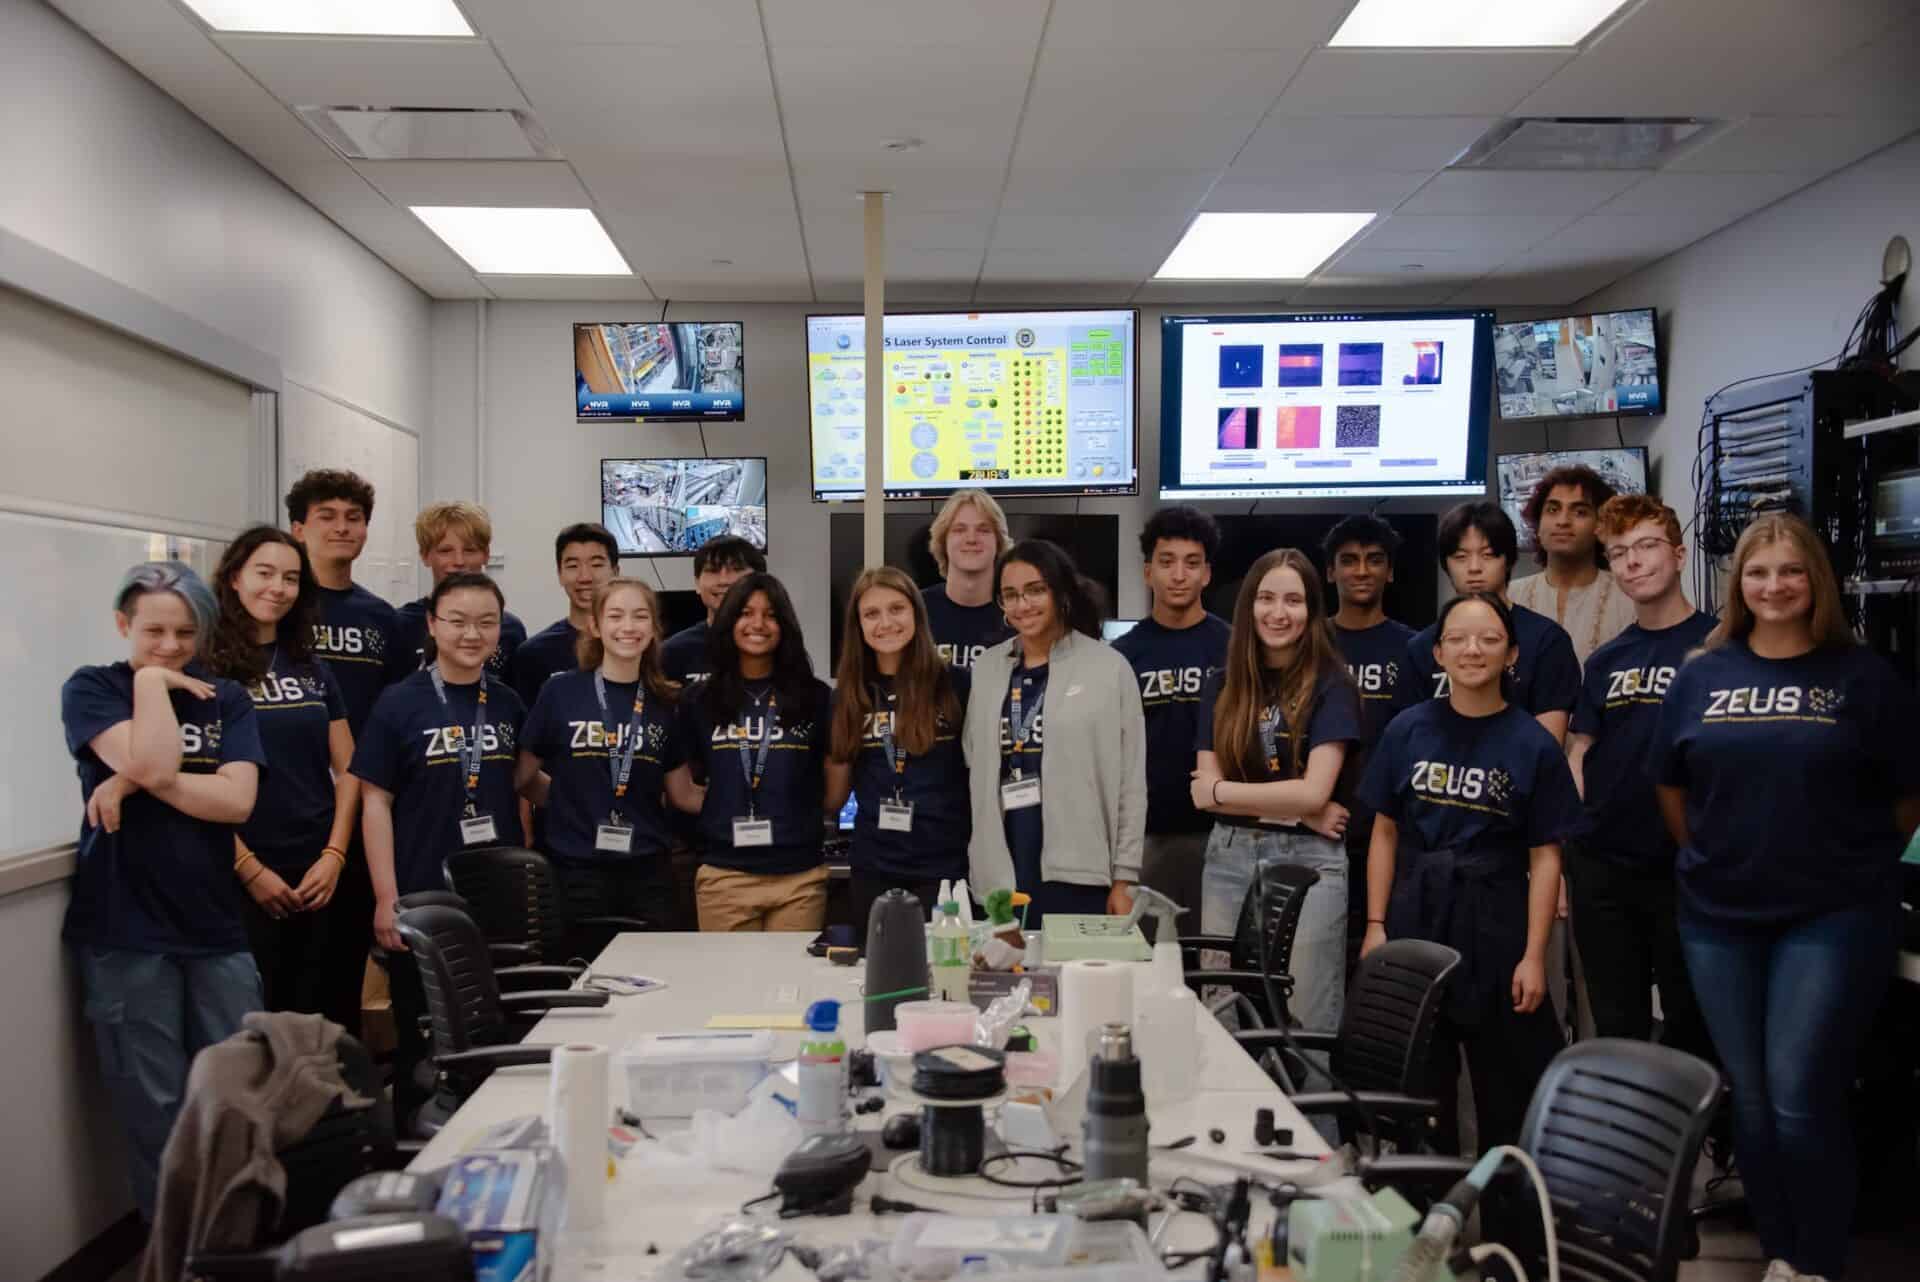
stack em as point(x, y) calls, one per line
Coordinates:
point(1319, 405)
point(1017, 403)
point(1578, 366)
point(1516, 475)
point(670, 506)
point(648, 371)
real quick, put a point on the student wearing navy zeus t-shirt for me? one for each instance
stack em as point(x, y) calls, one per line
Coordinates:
point(895, 746)
point(1621, 865)
point(605, 736)
point(290, 853)
point(1472, 798)
point(718, 564)
point(584, 557)
point(1173, 652)
point(169, 764)
point(967, 539)
point(455, 538)
point(1787, 778)
point(755, 736)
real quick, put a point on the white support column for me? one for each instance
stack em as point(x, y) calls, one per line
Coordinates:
point(873, 548)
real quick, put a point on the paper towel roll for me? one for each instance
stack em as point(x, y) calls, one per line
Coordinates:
point(577, 1114)
point(1092, 993)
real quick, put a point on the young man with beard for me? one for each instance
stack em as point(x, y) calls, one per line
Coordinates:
point(1575, 589)
point(967, 539)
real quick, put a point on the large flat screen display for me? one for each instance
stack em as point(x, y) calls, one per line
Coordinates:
point(1578, 366)
point(677, 370)
point(1012, 402)
point(1323, 405)
point(670, 506)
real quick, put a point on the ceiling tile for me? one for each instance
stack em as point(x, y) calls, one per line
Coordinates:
point(1512, 233)
point(913, 181)
point(638, 103)
point(1793, 144)
point(330, 71)
point(1402, 291)
point(1416, 82)
point(688, 241)
point(685, 184)
point(719, 289)
point(1213, 24)
point(846, 101)
point(1875, 78)
point(1055, 292)
point(1728, 195)
point(1489, 191)
point(897, 22)
point(1416, 144)
point(1070, 234)
point(1314, 191)
point(1266, 295)
point(533, 184)
point(1545, 287)
point(1104, 266)
point(1363, 260)
point(612, 22)
point(900, 291)
point(1098, 192)
point(905, 232)
point(1600, 237)
point(611, 289)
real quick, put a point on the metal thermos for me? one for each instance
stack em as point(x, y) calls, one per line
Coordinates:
point(896, 955)
point(1115, 1129)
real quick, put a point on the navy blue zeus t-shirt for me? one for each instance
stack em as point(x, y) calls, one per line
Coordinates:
point(1620, 697)
point(1791, 769)
point(578, 746)
point(544, 654)
point(935, 785)
point(296, 705)
point(962, 633)
point(1172, 666)
point(792, 790)
point(683, 656)
point(1333, 716)
point(164, 883)
point(1377, 658)
point(1026, 834)
point(412, 748)
point(412, 620)
point(1546, 677)
point(358, 636)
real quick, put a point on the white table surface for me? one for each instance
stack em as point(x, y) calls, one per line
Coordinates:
point(711, 974)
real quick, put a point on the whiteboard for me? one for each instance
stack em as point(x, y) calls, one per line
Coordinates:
point(319, 431)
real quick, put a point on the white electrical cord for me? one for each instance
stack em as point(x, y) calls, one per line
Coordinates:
point(1546, 1210)
point(1485, 1249)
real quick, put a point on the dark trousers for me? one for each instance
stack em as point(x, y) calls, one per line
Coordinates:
point(1506, 1053)
point(1625, 923)
point(1359, 837)
point(410, 1044)
point(639, 888)
point(1788, 1006)
point(349, 937)
point(866, 887)
point(292, 954)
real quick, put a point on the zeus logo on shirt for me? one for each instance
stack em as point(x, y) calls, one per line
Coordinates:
point(1629, 683)
point(879, 723)
point(1772, 703)
point(960, 656)
point(333, 641)
point(1170, 683)
point(1449, 784)
point(199, 739)
point(275, 690)
point(446, 741)
point(747, 731)
point(594, 736)
point(1375, 678)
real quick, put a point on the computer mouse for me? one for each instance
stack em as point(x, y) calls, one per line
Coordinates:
point(902, 1131)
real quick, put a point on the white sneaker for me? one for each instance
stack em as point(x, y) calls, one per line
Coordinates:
point(1780, 1271)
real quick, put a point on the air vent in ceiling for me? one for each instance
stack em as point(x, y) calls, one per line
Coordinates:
point(411, 133)
point(1594, 142)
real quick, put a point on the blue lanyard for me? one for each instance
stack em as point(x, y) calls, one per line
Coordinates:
point(620, 759)
point(1270, 737)
point(1022, 728)
point(753, 765)
point(896, 756)
point(472, 746)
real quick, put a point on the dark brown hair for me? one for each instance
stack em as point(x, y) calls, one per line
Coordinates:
point(325, 483)
point(231, 651)
point(1590, 482)
point(923, 691)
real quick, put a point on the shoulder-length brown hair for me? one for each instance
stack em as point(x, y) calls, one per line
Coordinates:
point(590, 652)
point(923, 691)
point(1828, 622)
point(231, 651)
point(1236, 717)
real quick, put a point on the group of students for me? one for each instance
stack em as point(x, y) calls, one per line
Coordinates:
point(283, 755)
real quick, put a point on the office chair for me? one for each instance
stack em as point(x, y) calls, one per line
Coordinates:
point(1383, 1047)
point(474, 1028)
point(514, 897)
point(1278, 916)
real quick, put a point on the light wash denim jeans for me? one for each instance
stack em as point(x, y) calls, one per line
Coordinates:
point(1319, 964)
point(151, 1014)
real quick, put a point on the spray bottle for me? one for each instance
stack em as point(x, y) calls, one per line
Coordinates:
point(823, 1072)
point(952, 956)
point(1164, 1008)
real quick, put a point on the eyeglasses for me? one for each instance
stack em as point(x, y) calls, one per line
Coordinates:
point(1033, 594)
point(1460, 640)
point(479, 627)
point(1639, 547)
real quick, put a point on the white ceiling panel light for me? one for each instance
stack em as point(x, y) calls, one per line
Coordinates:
point(1472, 24)
point(525, 242)
point(334, 17)
point(1262, 246)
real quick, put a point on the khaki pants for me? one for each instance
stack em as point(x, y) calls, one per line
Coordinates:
point(736, 901)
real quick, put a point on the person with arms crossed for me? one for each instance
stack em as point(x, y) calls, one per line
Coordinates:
point(1471, 799)
point(1786, 775)
point(584, 556)
point(1575, 590)
point(1274, 730)
point(897, 712)
point(169, 760)
point(755, 741)
point(1056, 748)
point(455, 538)
point(290, 852)
point(1173, 652)
point(719, 563)
point(967, 540)
point(1620, 864)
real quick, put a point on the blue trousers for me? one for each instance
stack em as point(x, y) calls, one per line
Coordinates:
point(1787, 1006)
point(151, 1014)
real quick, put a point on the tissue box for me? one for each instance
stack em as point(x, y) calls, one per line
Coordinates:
point(1088, 937)
point(509, 1202)
point(984, 987)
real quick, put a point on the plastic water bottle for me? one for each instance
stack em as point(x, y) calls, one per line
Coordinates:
point(823, 1072)
point(952, 955)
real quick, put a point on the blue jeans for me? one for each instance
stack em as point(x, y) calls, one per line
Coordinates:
point(151, 1014)
point(1319, 965)
point(1787, 1006)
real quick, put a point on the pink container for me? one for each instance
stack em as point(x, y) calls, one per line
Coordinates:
point(925, 1025)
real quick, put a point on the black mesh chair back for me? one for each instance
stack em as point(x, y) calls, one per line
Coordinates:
point(1278, 917)
point(1393, 1003)
point(513, 897)
point(1616, 1128)
point(456, 975)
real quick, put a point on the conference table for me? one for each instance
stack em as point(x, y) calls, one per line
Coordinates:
point(653, 1208)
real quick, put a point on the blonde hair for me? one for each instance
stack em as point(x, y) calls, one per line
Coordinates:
point(437, 520)
point(590, 652)
point(950, 510)
point(1827, 622)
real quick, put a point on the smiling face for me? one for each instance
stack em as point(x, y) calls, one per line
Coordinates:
point(455, 552)
point(269, 583)
point(1361, 572)
point(1280, 610)
point(1567, 521)
point(1473, 647)
point(886, 620)
point(1775, 584)
point(1643, 562)
point(712, 584)
point(583, 568)
point(335, 530)
point(756, 632)
point(972, 542)
point(1027, 602)
point(625, 623)
point(1178, 573)
point(1474, 566)
point(465, 627)
point(162, 630)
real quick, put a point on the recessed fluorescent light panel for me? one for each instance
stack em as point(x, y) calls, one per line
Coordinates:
point(525, 242)
point(1259, 246)
point(1472, 24)
point(334, 17)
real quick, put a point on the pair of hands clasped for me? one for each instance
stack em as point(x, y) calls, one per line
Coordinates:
point(1329, 821)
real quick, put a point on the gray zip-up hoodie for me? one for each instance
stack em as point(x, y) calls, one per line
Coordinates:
point(1093, 791)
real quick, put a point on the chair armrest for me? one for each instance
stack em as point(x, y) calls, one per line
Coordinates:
point(508, 954)
point(1413, 1168)
point(611, 923)
point(235, 1266)
point(1390, 1103)
point(1191, 947)
point(522, 976)
point(488, 1058)
point(549, 999)
point(1254, 1040)
point(1249, 983)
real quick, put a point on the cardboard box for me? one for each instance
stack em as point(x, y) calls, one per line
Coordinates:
point(509, 1202)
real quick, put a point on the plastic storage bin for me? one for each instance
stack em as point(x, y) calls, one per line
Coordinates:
point(673, 1074)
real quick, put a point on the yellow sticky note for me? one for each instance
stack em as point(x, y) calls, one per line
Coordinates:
point(789, 1020)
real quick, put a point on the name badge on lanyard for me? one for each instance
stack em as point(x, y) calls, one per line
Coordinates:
point(1270, 746)
point(753, 830)
point(476, 829)
point(895, 815)
point(1021, 791)
point(615, 836)
point(1018, 794)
